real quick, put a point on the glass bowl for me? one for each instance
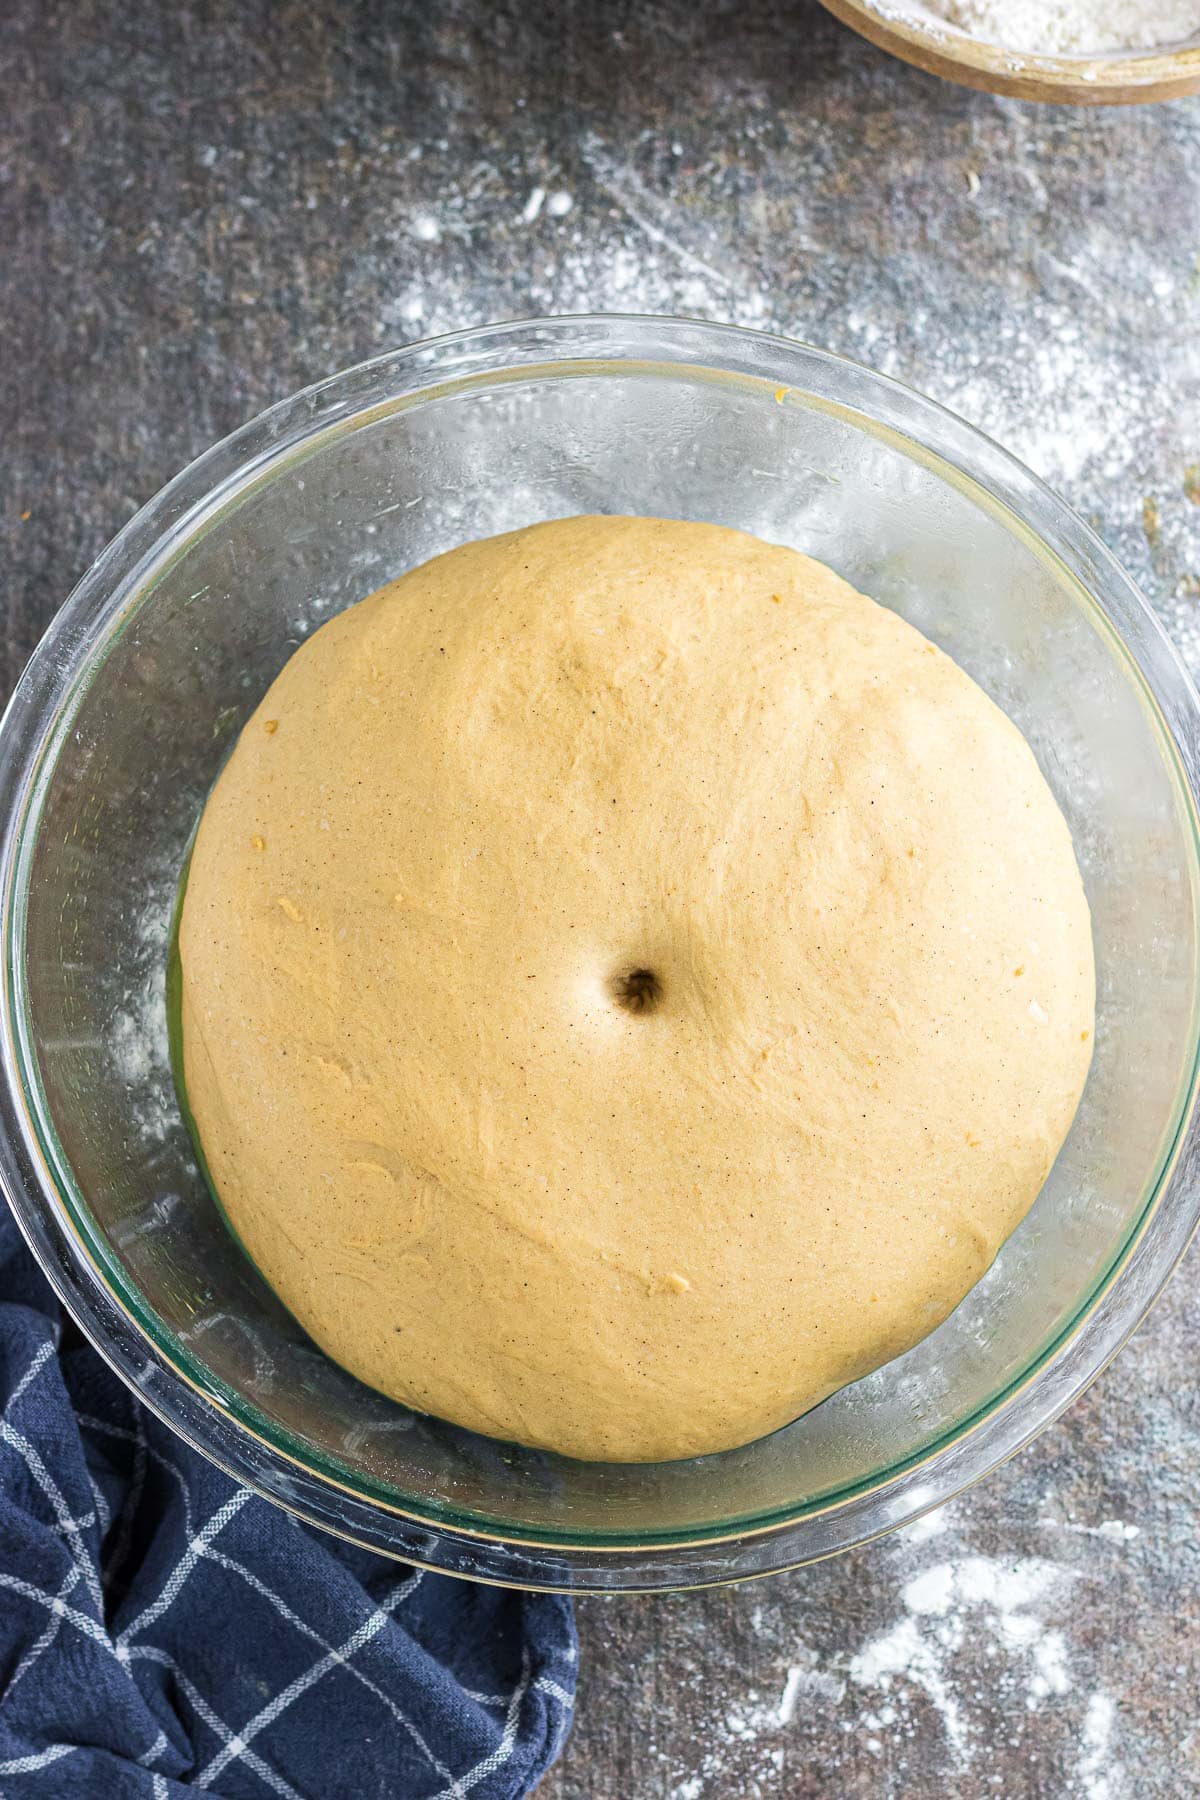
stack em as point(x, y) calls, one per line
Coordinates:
point(140, 686)
point(910, 31)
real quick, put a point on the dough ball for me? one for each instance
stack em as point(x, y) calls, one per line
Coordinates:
point(632, 986)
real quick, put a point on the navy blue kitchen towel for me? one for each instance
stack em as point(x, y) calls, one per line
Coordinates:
point(164, 1630)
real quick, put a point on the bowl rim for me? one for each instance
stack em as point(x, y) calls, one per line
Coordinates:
point(56, 675)
point(1114, 78)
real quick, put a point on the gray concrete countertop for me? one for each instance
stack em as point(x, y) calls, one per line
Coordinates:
point(205, 206)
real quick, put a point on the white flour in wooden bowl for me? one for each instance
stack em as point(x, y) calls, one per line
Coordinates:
point(1073, 27)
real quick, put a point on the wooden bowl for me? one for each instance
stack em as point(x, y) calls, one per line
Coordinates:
point(1113, 80)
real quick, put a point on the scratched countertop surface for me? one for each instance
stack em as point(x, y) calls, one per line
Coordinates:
point(205, 206)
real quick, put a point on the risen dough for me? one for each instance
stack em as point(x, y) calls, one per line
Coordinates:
point(632, 986)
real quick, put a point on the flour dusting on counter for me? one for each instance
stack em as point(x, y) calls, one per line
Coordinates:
point(1099, 1778)
point(946, 1640)
point(986, 1597)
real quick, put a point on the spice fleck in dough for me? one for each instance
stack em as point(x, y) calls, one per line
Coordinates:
point(632, 986)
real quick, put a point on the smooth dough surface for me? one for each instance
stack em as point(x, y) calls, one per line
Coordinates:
point(623, 1218)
